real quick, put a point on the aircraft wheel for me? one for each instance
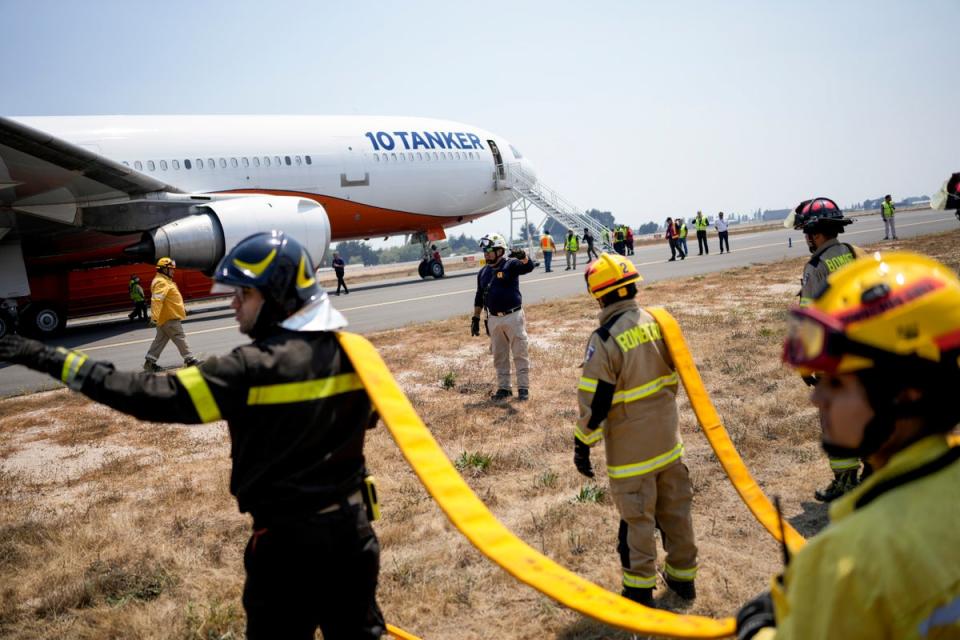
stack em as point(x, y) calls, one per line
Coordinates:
point(436, 269)
point(424, 269)
point(43, 320)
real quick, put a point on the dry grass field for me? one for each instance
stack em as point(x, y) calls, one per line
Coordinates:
point(114, 528)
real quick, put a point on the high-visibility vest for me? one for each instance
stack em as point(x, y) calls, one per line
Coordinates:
point(573, 244)
point(701, 223)
point(546, 243)
point(683, 230)
point(136, 291)
point(887, 209)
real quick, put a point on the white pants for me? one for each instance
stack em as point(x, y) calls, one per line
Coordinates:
point(509, 334)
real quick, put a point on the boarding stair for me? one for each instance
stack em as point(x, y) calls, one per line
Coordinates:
point(533, 192)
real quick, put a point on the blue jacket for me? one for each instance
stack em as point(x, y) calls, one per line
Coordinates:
point(498, 286)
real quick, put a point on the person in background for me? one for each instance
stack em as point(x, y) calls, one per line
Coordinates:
point(722, 232)
point(671, 235)
point(547, 246)
point(297, 414)
point(701, 223)
point(887, 210)
point(629, 240)
point(168, 313)
point(883, 339)
point(139, 299)
point(588, 238)
point(682, 235)
point(678, 227)
point(338, 266)
point(572, 246)
point(498, 292)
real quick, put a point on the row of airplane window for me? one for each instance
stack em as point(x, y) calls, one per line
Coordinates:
point(280, 161)
point(212, 163)
point(420, 155)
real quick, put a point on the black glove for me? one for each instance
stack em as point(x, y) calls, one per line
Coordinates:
point(20, 350)
point(581, 458)
point(519, 254)
point(754, 616)
point(810, 380)
point(475, 326)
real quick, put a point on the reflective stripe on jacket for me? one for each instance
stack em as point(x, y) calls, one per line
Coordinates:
point(630, 386)
point(573, 244)
point(701, 224)
point(887, 569)
point(166, 303)
point(546, 243)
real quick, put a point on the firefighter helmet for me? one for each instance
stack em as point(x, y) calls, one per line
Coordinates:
point(279, 268)
point(818, 215)
point(492, 241)
point(900, 309)
point(166, 262)
point(609, 273)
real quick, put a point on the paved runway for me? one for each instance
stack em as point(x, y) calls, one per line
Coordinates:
point(388, 304)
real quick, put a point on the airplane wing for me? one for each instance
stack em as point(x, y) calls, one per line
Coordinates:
point(44, 176)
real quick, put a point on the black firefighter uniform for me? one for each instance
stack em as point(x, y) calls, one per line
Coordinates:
point(627, 398)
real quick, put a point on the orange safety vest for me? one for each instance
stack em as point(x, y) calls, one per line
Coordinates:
point(546, 243)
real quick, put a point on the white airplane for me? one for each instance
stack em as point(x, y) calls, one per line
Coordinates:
point(80, 192)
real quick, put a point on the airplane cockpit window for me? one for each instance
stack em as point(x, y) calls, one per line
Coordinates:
point(287, 160)
point(151, 166)
point(163, 165)
point(138, 165)
point(176, 164)
point(307, 158)
point(516, 154)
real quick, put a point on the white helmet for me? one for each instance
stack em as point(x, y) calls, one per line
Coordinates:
point(492, 241)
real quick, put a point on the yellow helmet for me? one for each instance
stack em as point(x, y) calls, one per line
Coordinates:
point(166, 262)
point(608, 273)
point(896, 308)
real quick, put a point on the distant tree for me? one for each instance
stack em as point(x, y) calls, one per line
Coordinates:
point(528, 232)
point(648, 227)
point(603, 217)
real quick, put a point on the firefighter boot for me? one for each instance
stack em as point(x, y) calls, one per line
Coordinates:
point(501, 394)
point(523, 394)
point(686, 589)
point(641, 595)
point(842, 482)
point(151, 367)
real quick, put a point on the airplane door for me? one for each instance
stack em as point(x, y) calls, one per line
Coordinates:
point(497, 159)
point(354, 169)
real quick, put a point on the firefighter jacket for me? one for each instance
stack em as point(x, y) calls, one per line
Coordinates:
point(627, 396)
point(296, 410)
point(166, 303)
point(887, 566)
point(824, 261)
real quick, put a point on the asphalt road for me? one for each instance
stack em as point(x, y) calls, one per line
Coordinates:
point(389, 304)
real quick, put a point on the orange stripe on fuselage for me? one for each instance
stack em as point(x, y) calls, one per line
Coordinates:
point(356, 220)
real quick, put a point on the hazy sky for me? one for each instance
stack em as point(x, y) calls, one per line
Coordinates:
point(643, 109)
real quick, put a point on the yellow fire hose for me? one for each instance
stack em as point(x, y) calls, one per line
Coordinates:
point(751, 494)
point(472, 518)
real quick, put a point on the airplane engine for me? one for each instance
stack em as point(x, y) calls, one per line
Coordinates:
point(200, 241)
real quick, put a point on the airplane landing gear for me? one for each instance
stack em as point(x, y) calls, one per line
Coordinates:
point(429, 265)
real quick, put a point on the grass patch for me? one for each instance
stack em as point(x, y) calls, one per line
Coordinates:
point(475, 462)
point(591, 493)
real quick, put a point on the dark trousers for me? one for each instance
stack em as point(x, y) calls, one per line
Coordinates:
point(547, 259)
point(139, 311)
point(629, 247)
point(591, 251)
point(673, 248)
point(724, 240)
point(618, 246)
point(318, 571)
point(340, 281)
point(702, 242)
